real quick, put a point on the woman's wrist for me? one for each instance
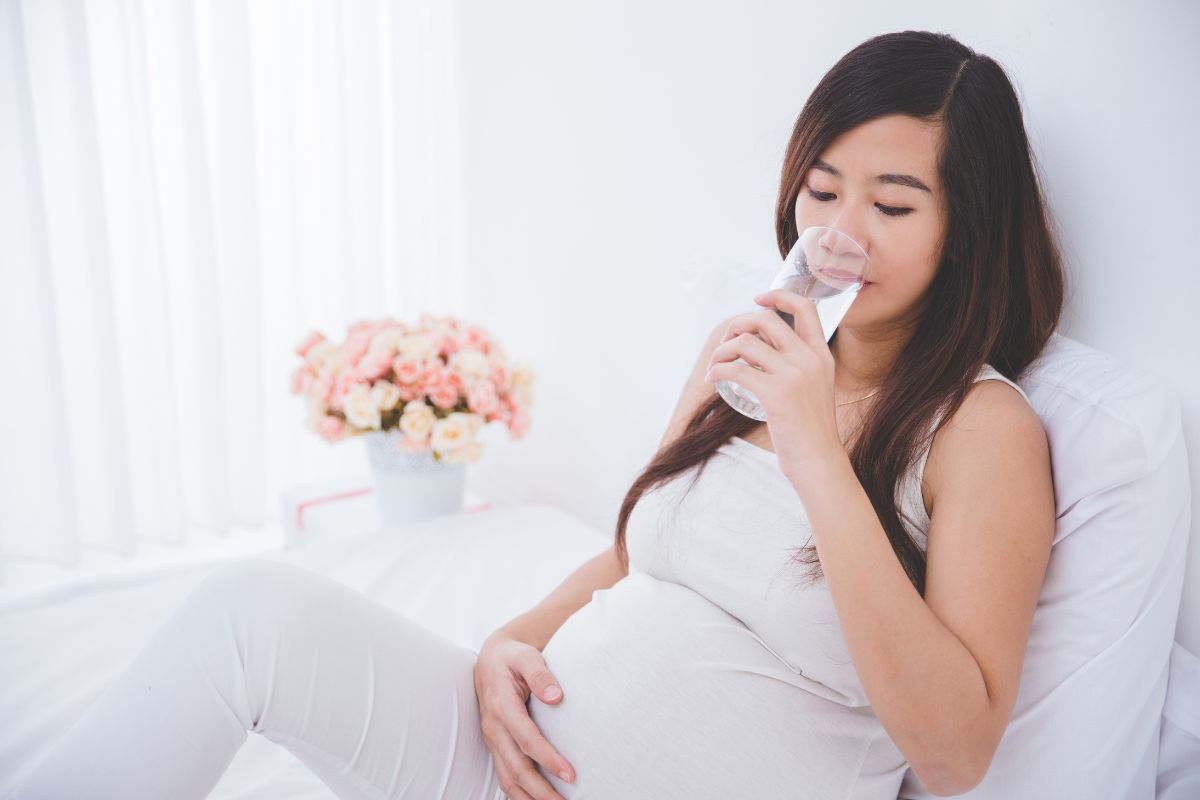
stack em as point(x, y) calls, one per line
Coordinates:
point(818, 470)
point(520, 630)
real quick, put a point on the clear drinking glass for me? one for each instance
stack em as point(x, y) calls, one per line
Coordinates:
point(826, 265)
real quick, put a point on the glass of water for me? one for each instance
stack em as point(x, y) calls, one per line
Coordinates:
point(829, 267)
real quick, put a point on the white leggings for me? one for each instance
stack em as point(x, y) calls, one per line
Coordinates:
point(374, 704)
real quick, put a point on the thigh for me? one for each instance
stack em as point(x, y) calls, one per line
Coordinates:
point(375, 704)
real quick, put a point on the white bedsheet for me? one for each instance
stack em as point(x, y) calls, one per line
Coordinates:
point(462, 576)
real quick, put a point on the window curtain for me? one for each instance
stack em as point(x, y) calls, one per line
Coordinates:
point(186, 189)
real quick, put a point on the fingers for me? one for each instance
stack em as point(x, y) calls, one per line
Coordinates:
point(518, 774)
point(748, 347)
point(741, 374)
point(517, 745)
point(765, 323)
point(509, 784)
point(522, 728)
point(803, 309)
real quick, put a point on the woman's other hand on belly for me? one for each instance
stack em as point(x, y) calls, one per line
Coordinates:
point(507, 671)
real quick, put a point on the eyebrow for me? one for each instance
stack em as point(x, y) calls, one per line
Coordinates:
point(899, 180)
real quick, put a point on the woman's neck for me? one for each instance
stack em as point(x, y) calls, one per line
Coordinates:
point(862, 360)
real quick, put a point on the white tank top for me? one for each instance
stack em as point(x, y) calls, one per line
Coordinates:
point(713, 669)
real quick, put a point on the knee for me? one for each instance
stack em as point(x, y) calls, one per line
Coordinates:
point(242, 575)
point(254, 587)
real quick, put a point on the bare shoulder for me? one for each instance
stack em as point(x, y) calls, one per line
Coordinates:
point(994, 428)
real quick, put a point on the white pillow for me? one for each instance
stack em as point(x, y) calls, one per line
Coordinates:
point(1087, 717)
point(1179, 746)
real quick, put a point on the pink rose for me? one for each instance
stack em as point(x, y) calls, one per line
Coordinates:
point(357, 347)
point(446, 345)
point(410, 392)
point(321, 390)
point(375, 367)
point(482, 399)
point(476, 338)
point(518, 425)
point(391, 322)
point(432, 375)
point(364, 327)
point(500, 376)
point(310, 340)
point(302, 377)
point(408, 370)
point(444, 396)
point(331, 428)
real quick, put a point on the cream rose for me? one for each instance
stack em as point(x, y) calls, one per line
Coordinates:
point(456, 430)
point(520, 378)
point(378, 359)
point(360, 408)
point(323, 356)
point(385, 394)
point(471, 364)
point(417, 420)
point(416, 346)
point(387, 340)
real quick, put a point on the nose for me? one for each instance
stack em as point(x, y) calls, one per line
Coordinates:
point(840, 245)
point(843, 248)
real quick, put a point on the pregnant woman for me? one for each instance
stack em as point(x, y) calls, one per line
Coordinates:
point(798, 609)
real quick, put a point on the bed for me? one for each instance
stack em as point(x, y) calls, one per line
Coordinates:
point(453, 574)
point(1109, 704)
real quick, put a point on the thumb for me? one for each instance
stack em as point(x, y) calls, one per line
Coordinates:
point(538, 678)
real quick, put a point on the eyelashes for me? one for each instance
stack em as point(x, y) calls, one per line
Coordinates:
point(891, 211)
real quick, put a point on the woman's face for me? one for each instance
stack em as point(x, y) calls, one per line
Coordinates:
point(868, 184)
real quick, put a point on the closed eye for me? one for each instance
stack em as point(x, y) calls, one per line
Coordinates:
point(891, 211)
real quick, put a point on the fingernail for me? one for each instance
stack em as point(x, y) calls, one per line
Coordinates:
point(552, 693)
point(565, 776)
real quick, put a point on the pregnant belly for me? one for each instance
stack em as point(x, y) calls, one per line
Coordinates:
point(666, 695)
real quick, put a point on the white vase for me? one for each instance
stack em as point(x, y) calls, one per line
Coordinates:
point(412, 486)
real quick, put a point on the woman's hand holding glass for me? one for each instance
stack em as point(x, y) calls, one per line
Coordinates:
point(825, 265)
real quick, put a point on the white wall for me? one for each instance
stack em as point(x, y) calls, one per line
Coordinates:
point(614, 149)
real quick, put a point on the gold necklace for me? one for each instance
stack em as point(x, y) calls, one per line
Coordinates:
point(848, 402)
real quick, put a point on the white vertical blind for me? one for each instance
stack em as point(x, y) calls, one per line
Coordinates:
point(186, 188)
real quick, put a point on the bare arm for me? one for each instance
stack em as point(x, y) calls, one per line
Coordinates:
point(539, 623)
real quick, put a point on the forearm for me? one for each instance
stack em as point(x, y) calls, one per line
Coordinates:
point(539, 623)
point(923, 683)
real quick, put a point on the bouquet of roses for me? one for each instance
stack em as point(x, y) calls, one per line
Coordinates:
point(439, 382)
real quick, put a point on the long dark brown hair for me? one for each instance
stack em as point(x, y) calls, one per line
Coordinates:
point(998, 290)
